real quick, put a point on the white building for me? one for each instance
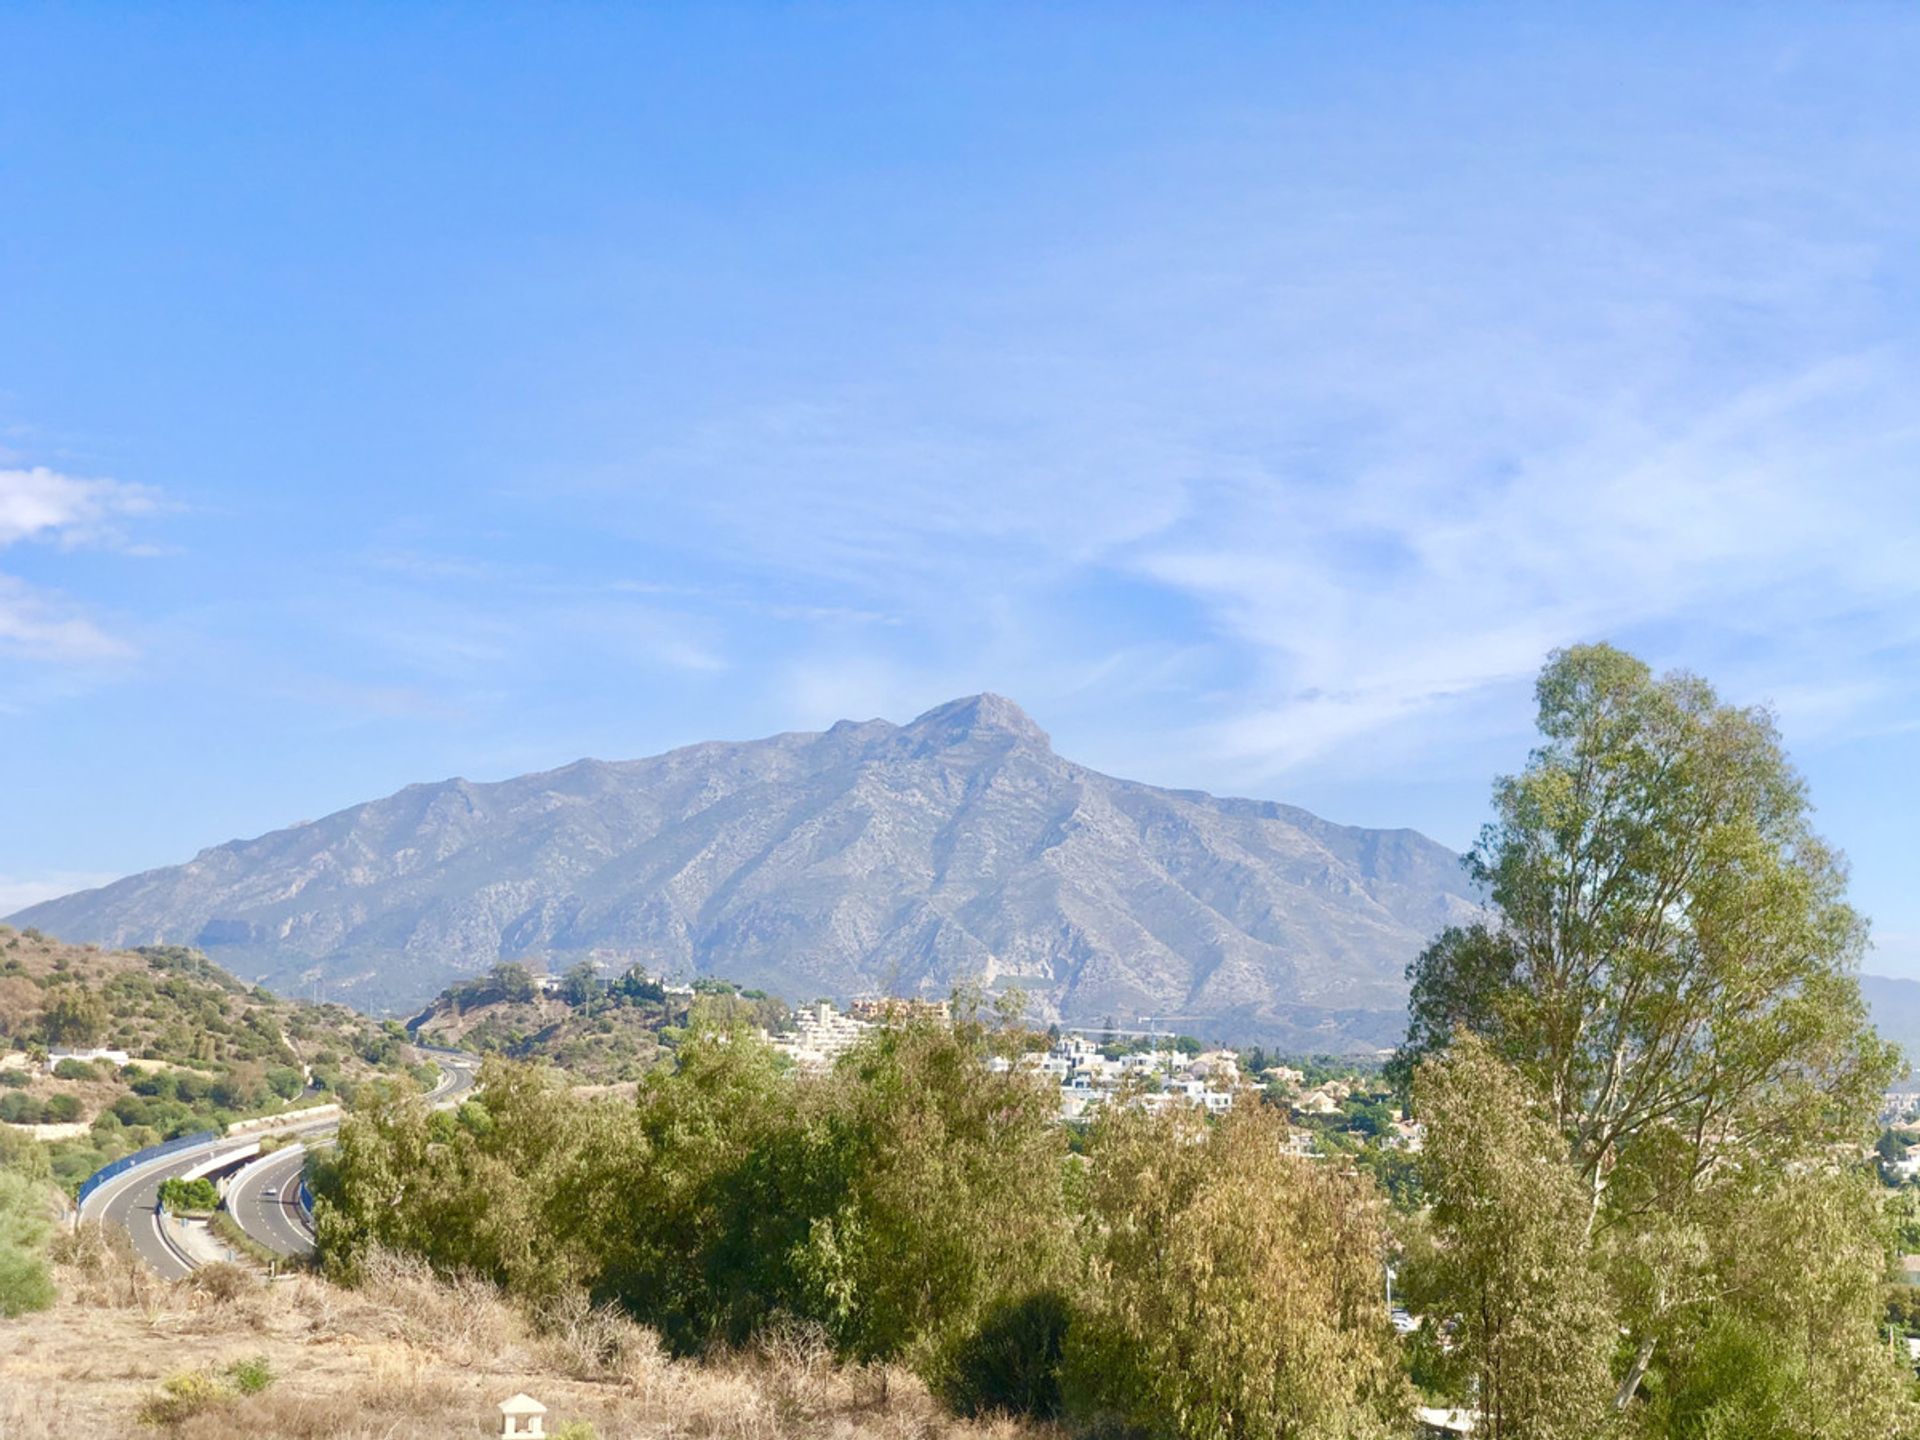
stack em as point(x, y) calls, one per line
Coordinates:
point(818, 1035)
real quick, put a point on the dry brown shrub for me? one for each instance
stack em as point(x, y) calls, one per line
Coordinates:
point(726, 1402)
point(223, 1282)
point(181, 1397)
point(412, 1356)
point(318, 1301)
point(389, 1404)
point(596, 1342)
point(103, 1268)
point(794, 1362)
point(463, 1318)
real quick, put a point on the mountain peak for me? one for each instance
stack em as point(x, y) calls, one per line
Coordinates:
point(982, 714)
point(873, 859)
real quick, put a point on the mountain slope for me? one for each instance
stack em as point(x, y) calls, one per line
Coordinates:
point(1895, 1007)
point(870, 856)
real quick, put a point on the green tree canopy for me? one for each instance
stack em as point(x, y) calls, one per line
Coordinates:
point(1671, 968)
point(1674, 955)
point(1235, 1292)
point(77, 1016)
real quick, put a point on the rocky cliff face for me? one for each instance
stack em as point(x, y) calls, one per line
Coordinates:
point(869, 857)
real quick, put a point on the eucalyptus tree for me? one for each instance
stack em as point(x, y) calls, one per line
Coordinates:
point(1671, 963)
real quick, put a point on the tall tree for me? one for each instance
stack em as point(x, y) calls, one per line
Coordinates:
point(1536, 1332)
point(1673, 964)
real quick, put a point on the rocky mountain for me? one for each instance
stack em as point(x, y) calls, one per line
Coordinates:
point(871, 857)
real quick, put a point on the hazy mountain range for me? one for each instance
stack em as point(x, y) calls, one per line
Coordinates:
point(871, 857)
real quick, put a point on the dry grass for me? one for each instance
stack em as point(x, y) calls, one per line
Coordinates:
point(409, 1357)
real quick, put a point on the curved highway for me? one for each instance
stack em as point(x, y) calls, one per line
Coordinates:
point(131, 1201)
point(263, 1198)
point(264, 1201)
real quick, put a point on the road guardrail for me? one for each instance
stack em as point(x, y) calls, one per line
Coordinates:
point(139, 1157)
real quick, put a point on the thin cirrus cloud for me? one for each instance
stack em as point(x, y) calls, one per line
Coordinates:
point(1779, 519)
point(1386, 456)
point(43, 505)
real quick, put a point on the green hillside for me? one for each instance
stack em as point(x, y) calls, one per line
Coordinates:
point(600, 1032)
point(204, 1049)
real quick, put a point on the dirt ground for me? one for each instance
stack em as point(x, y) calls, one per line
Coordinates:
point(405, 1355)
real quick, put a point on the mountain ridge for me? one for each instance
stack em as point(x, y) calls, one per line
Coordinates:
point(867, 856)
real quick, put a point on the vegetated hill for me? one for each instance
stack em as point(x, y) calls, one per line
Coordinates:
point(870, 857)
point(598, 1032)
point(204, 1048)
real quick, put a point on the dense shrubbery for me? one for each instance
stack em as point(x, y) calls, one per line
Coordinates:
point(597, 1030)
point(912, 1207)
point(1642, 1208)
point(188, 1196)
point(25, 1225)
point(208, 1049)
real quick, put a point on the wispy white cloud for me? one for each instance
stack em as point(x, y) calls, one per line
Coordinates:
point(1414, 587)
point(35, 625)
point(44, 505)
point(1387, 439)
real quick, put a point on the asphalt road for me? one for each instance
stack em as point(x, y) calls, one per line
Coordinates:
point(263, 1201)
point(130, 1201)
point(276, 1221)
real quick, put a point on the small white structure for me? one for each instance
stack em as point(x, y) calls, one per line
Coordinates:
point(521, 1416)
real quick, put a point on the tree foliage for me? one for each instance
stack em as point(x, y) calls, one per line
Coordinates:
point(1673, 966)
point(26, 1283)
point(1671, 974)
point(1536, 1328)
point(1785, 1341)
point(1235, 1291)
point(893, 1203)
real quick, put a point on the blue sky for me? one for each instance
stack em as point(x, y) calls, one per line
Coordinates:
point(1256, 393)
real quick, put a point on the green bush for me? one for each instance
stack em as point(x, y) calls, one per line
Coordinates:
point(1011, 1364)
point(63, 1109)
point(181, 1196)
point(25, 1282)
point(160, 1085)
point(23, 1155)
point(251, 1376)
point(19, 1109)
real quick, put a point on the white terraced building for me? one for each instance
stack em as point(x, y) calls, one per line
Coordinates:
point(818, 1035)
